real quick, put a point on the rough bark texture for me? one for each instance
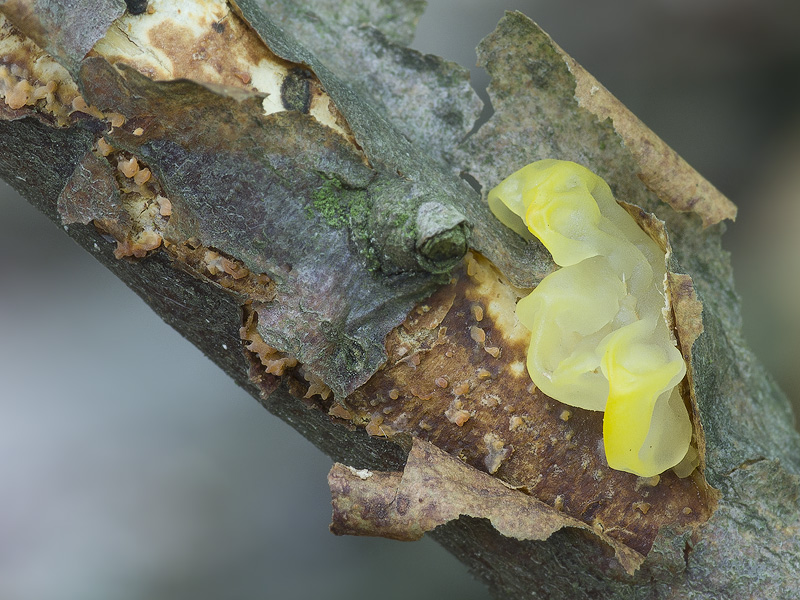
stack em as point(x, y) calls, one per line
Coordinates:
point(314, 251)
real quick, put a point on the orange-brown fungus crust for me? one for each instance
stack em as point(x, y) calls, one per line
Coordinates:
point(490, 416)
point(267, 365)
point(317, 387)
point(140, 231)
point(225, 271)
point(31, 82)
point(139, 219)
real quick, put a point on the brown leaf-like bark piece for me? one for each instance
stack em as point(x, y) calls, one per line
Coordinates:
point(92, 193)
point(435, 488)
point(688, 312)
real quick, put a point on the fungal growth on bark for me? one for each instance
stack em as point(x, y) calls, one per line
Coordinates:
point(600, 336)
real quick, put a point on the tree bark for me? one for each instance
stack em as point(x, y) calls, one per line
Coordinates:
point(296, 203)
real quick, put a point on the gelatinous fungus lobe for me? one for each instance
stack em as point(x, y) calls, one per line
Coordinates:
point(599, 335)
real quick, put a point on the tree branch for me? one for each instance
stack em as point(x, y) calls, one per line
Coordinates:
point(306, 232)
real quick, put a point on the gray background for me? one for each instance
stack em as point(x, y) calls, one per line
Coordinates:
point(132, 468)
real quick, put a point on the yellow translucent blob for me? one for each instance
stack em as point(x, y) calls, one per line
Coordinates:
point(599, 339)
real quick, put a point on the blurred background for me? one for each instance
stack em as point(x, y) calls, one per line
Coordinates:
point(132, 468)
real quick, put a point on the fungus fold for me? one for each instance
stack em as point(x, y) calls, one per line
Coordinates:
point(600, 339)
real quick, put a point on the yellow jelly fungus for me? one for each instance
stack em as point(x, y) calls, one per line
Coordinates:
point(599, 337)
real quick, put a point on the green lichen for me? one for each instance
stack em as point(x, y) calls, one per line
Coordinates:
point(383, 220)
point(331, 203)
point(401, 220)
point(360, 209)
point(342, 207)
